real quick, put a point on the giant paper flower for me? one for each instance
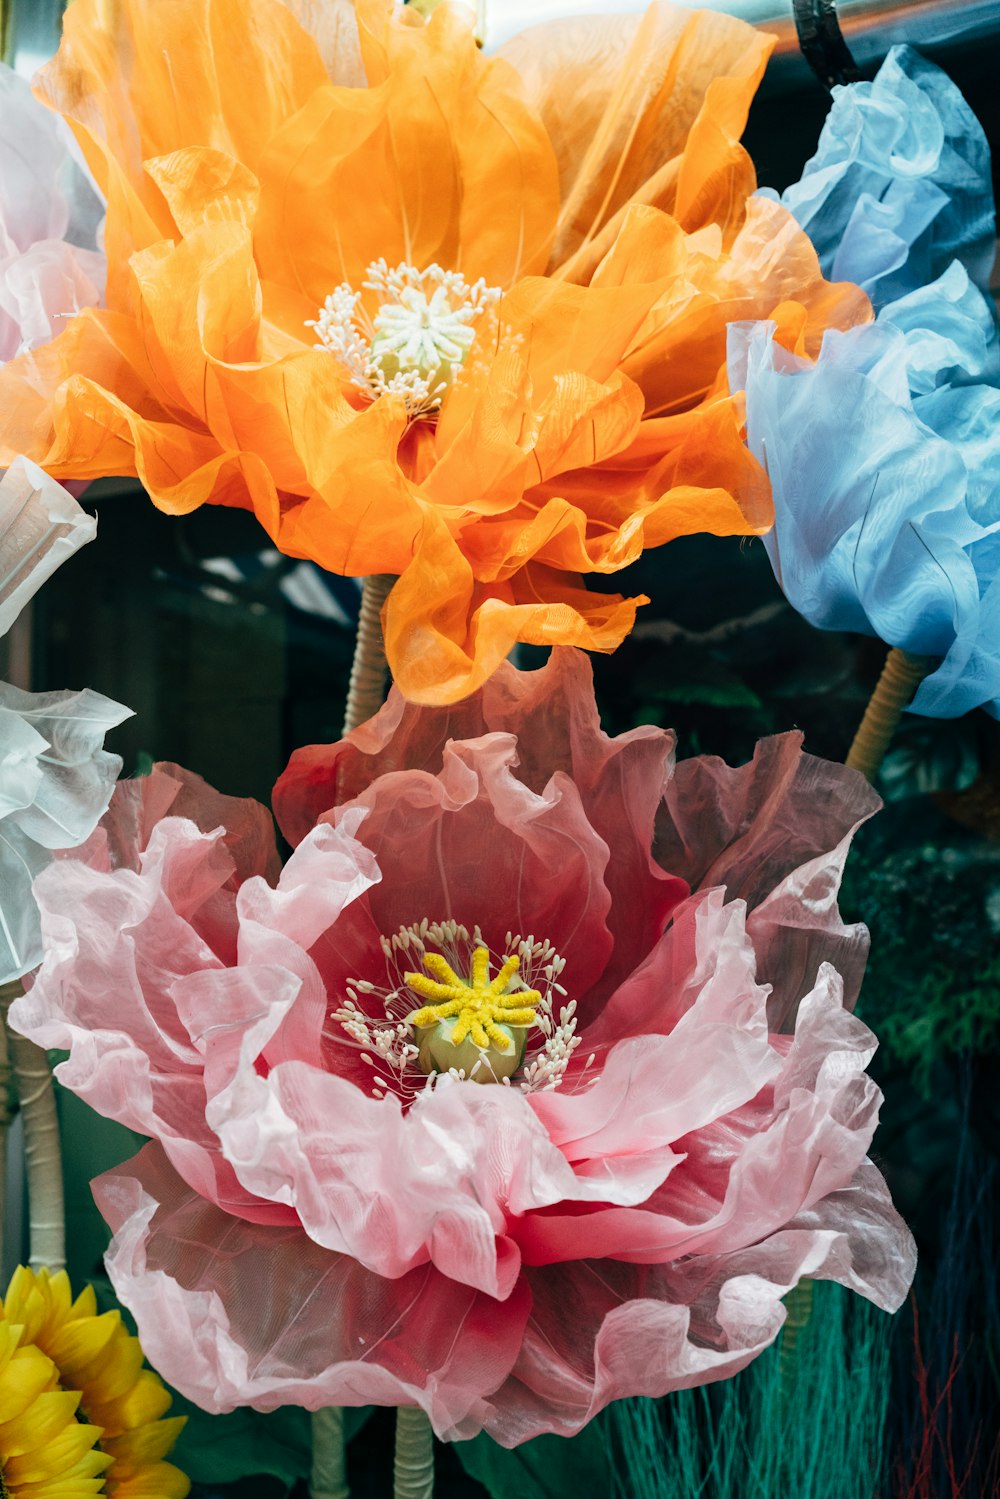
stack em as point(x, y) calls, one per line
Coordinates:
point(51, 265)
point(481, 1106)
point(55, 777)
point(97, 1368)
point(455, 319)
point(887, 503)
point(899, 186)
point(884, 451)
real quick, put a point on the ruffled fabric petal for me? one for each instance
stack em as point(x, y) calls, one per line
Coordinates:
point(661, 1142)
point(553, 456)
point(619, 781)
point(648, 1330)
point(628, 128)
point(889, 534)
point(900, 183)
point(774, 833)
point(328, 1332)
point(157, 933)
point(51, 265)
point(41, 525)
point(516, 1369)
point(56, 780)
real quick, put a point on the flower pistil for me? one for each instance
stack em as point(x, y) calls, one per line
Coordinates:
point(417, 341)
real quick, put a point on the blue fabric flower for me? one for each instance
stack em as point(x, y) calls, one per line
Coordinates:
point(899, 186)
point(884, 454)
point(884, 460)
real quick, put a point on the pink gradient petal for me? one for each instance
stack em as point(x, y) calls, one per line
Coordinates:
point(475, 845)
point(654, 1089)
point(552, 713)
point(234, 1313)
point(775, 833)
point(601, 1331)
point(749, 1172)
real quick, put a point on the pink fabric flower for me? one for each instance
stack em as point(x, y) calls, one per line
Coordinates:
point(317, 1221)
point(51, 265)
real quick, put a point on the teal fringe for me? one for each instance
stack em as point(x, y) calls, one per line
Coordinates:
point(811, 1426)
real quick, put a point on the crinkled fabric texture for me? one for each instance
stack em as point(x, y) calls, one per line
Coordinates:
point(900, 183)
point(51, 265)
point(592, 173)
point(55, 782)
point(55, 778)
point(884, 460)
point(41, 525)
point(507, 1260)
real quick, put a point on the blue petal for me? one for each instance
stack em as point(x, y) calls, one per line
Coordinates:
point(885, 505)
point(951, 330)
point(900, 183)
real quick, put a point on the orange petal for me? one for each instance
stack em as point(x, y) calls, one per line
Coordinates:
point(619, 97)
point(445, 634)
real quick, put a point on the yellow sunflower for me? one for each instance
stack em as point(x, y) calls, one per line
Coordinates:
point(93, 1374)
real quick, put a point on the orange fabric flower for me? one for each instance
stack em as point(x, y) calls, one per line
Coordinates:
point(527, 265)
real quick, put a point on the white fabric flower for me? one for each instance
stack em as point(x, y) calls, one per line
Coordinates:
point(55, 778)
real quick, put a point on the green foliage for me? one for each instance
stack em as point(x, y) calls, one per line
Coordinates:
point(929, 891)
point(580, 1465)
point(945, 1019)
point(225, 1449)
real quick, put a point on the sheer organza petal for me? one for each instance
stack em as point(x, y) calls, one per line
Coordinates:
point(56, 780)
point(672, 1159)
point(41, 525)
point(648, 1330)
point(327, 1331)
point(775, 833)
point(51, 265)
point(900, 182)
point(895, 548)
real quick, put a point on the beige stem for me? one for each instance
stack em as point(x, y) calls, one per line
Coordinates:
point(42, 1156)
point(365, 696)
point(798, 1308)
point(414, 1469)
point(367, 690)
point(901, 676)
point(328, 1479)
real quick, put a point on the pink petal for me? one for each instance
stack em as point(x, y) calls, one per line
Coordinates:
point(552, 713)
point(775, 833)
point(234, 1313)
point(474, 844)
point(601, 1331)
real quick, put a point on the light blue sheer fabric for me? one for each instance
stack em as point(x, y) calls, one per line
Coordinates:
point(884, 454)
point(899, 186)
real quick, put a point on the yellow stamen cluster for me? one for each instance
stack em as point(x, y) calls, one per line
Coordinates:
point(481, 1004)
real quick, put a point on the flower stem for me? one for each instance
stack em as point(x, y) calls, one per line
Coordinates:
point(901, 676)
point(798, 1307)
point(413, 1476)
point(42, 1156)
point(367, 689)
point(328, 1479)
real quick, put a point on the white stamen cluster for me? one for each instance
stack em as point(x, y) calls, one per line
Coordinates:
point(386, 1040)
point(417, 341)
